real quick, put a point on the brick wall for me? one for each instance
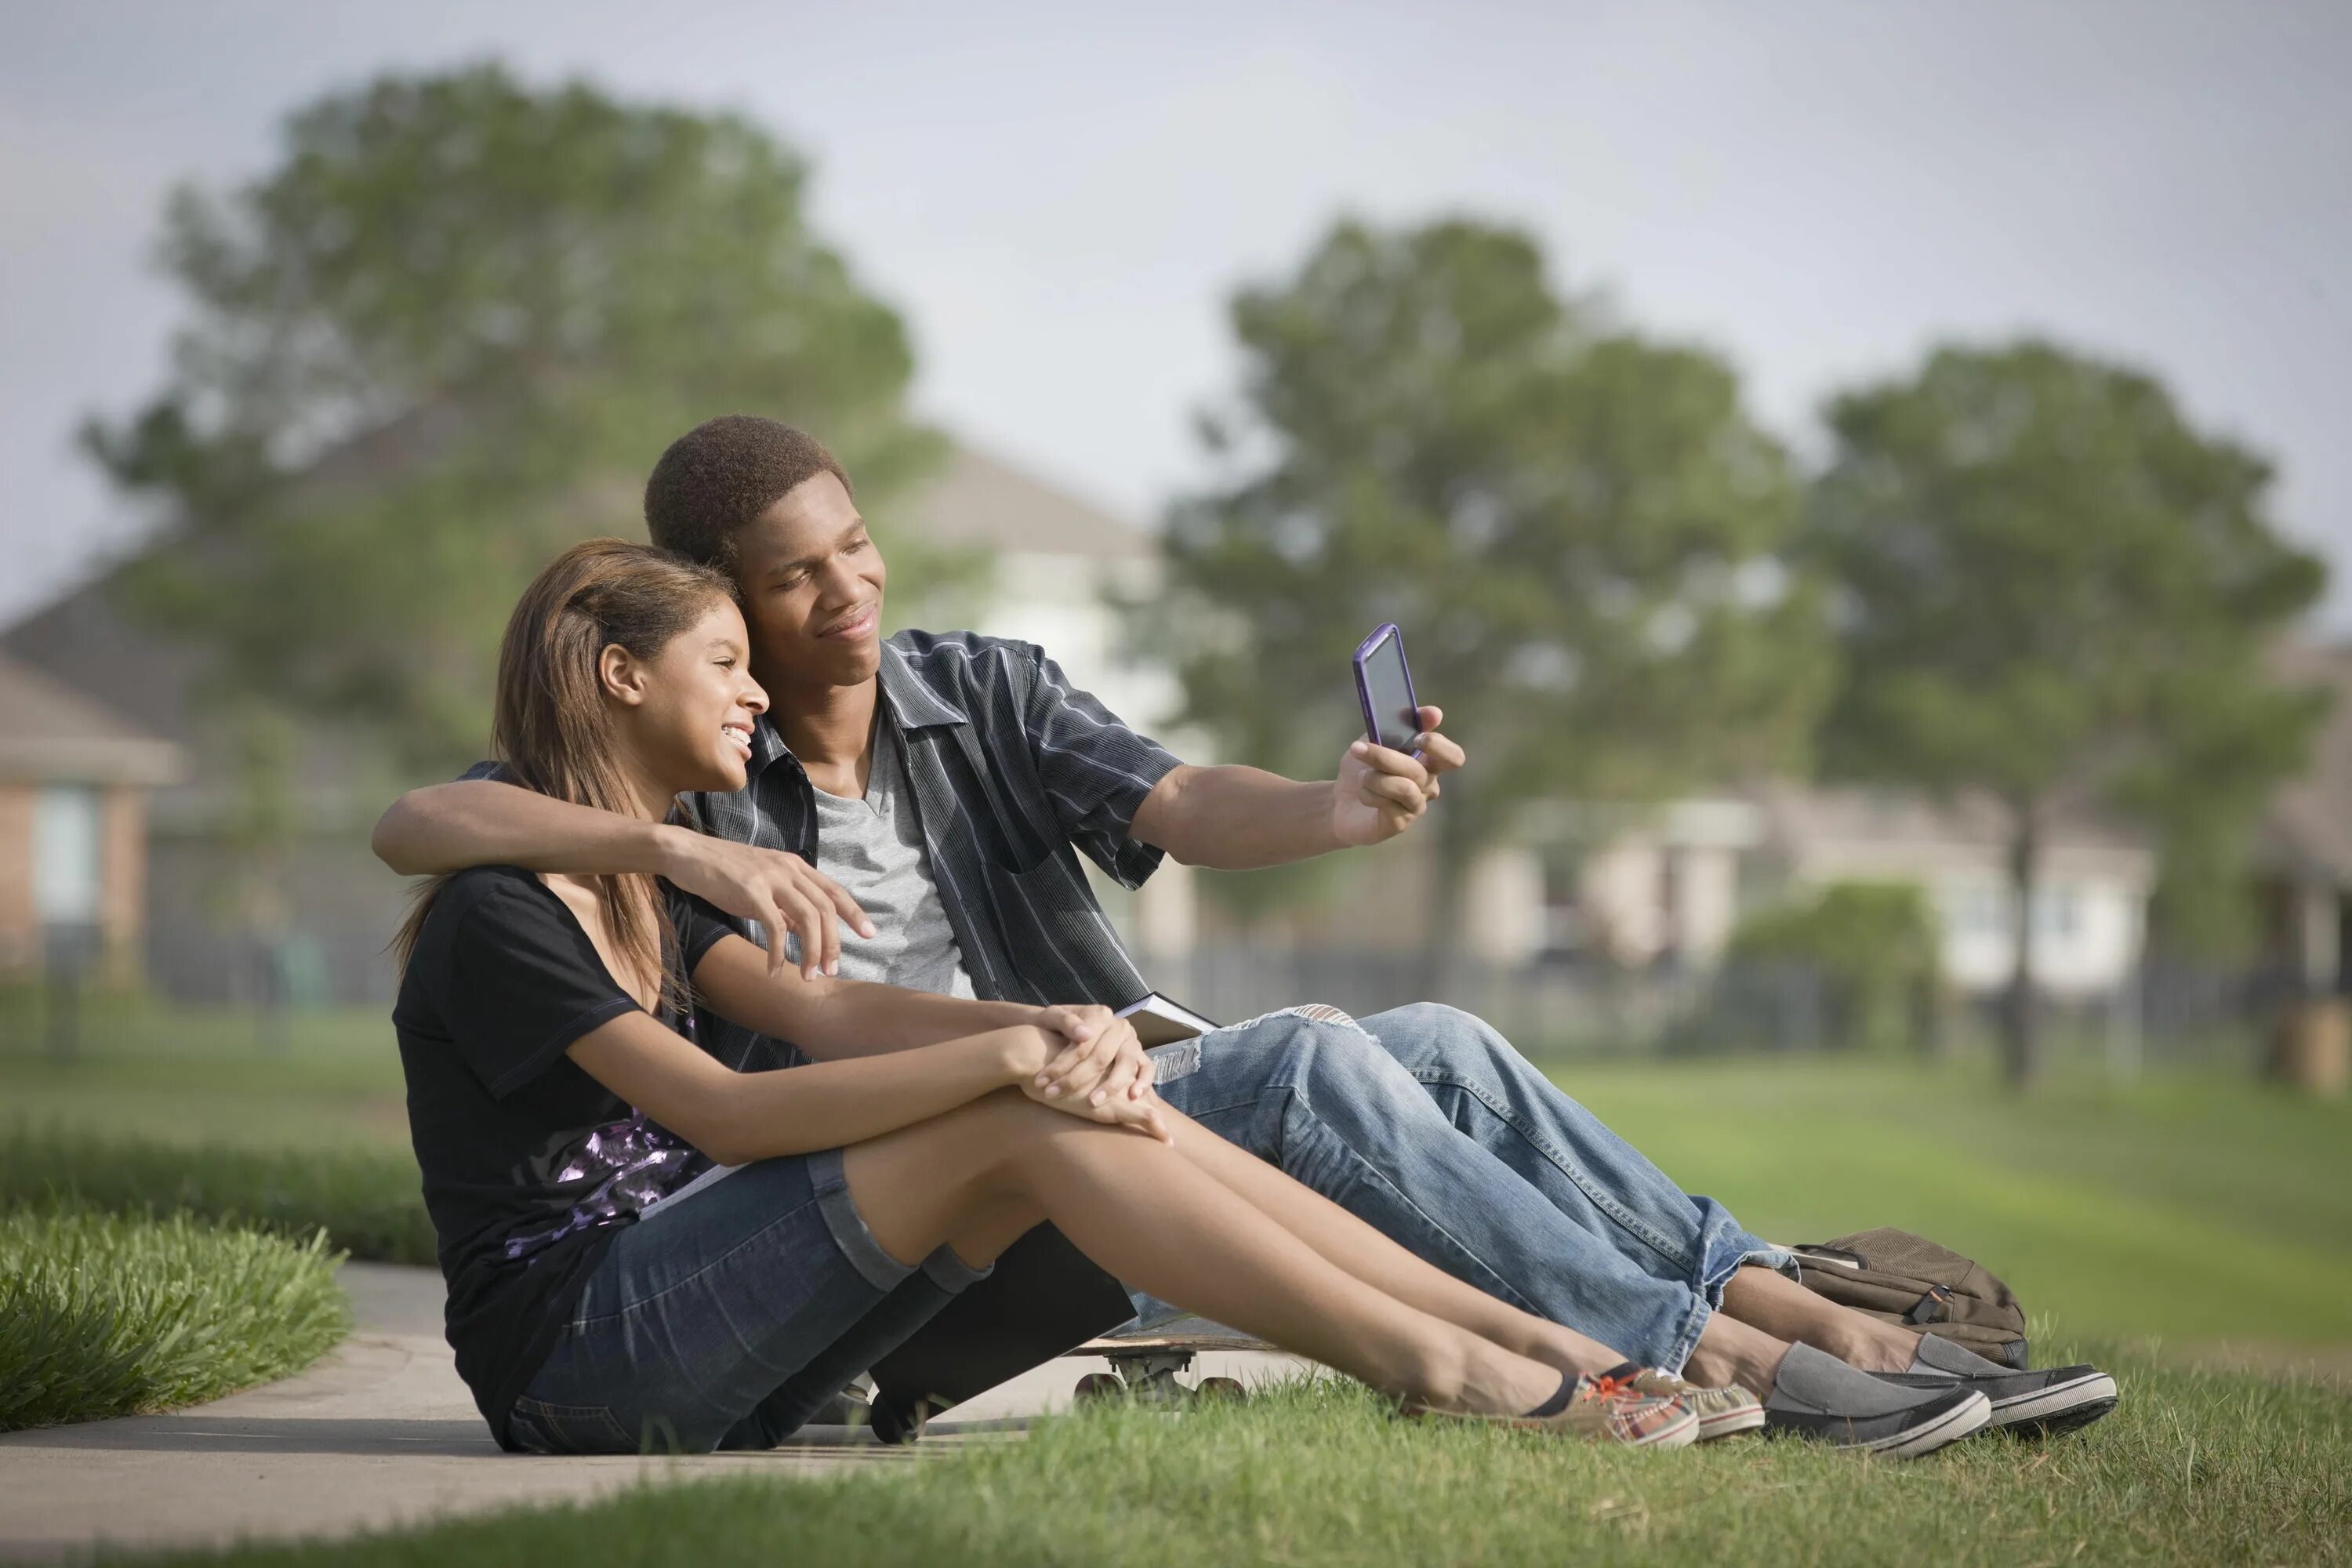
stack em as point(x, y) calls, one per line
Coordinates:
point(122, 881)
point(19, 945)
point(122, 885)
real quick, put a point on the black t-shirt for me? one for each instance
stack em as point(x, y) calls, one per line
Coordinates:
point(529, 1164)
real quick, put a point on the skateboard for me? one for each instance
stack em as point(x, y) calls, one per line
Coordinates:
point(1145, 1366)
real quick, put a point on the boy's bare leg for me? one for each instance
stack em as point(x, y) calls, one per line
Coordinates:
point(1787, 1310)
point(975, 1178)
point(1371, 1256)
point(1729, 1352)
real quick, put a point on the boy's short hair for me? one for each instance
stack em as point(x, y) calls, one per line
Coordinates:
point(719, 476)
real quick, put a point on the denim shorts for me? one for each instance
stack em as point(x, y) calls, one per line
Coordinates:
point(727, 1315)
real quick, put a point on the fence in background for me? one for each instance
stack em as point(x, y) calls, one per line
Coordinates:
point(2179, 1012)
point(312, 967)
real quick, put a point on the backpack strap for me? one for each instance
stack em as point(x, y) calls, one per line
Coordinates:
point(1929, 1308)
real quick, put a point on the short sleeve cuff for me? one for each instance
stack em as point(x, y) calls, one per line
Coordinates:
point(1133, 862)
point(700, 928)
point(544, 1054)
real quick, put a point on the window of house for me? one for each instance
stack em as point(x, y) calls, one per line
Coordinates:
point(2058, 910)
point(66, 855)
point(1563, 899)
point(1976, 909)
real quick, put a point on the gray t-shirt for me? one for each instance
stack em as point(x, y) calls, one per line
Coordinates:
point(874, 848)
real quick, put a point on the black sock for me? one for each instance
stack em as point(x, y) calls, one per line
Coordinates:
point(1557, 1402)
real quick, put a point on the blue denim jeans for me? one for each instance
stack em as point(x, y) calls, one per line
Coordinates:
point(1426, 1123)
point(726, 1316)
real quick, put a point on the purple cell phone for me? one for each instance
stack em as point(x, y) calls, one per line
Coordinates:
point(1391, 714)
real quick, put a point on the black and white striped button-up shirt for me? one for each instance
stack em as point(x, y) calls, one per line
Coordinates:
point(1014, 770)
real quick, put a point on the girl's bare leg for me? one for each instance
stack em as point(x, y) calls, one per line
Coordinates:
point(1371, 1256)
point(1147, 1214)
point(1786, 1310)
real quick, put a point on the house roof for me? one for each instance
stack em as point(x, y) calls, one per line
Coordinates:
point(1844, 824)
point(83, 639)
point(51, 734)
point(1857, 831)
point(977, 500)
point(1972, 818)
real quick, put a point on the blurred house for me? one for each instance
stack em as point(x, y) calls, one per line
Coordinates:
point(330, 905)
point(1668, 887)
point(74, 781)
point(1657, 892)
point(2303, 852)
point(1058, 564)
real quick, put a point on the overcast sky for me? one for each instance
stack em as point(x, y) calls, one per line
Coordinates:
point(1060, 198)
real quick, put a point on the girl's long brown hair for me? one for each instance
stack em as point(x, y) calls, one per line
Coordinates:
point(552, 726)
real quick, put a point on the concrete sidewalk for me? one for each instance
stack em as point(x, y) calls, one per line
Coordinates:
point(382, 1433)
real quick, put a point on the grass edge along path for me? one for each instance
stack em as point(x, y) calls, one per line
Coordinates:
point(104, 1315)
point(367, 1200)
point(2196, 1466)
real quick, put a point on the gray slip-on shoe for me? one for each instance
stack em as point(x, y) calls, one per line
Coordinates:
point(1816, 1395)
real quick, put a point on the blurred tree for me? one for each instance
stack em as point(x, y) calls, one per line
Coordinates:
point(448, 334)
point(1575, 527)
point(2050, 587)
point(260, 827)
point(1876, 946)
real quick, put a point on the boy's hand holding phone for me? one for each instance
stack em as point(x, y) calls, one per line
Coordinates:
point(1382, 791)
point(1389, 778)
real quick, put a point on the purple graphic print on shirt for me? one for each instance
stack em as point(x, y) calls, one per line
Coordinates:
point(632, 1162)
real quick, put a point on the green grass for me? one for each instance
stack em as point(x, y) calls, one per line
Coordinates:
point(2195, 1207)
point(200, 1075)
point(365, 1198)
point(2193, 1468)
point(184, 1110)
point(104, 1315)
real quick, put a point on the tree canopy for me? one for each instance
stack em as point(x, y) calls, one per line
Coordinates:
point(448, 334)
point(2052, 587)
point(1575, 526)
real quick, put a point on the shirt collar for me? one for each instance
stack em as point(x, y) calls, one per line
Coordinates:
point(767, 745)
point(911, 704)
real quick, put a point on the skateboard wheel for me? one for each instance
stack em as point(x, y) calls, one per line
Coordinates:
point(1101, 1386)
point(1221, 1391)
point(895, 1423)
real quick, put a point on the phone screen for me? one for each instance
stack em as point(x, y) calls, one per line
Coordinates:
point(1388, 692)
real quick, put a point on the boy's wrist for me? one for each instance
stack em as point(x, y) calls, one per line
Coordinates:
point(669, 848)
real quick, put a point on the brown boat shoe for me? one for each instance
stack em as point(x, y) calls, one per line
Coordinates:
point(1605, 1409)
point(1721, 1412)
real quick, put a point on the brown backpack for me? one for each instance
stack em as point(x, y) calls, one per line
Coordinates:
point(1900, 1277)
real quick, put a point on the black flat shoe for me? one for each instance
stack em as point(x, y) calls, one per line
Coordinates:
point(2030, 1403)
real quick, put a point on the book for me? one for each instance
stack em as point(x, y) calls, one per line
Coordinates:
point(1161, 1021)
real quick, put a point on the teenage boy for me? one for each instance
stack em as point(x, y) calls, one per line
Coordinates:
point(931, 792)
